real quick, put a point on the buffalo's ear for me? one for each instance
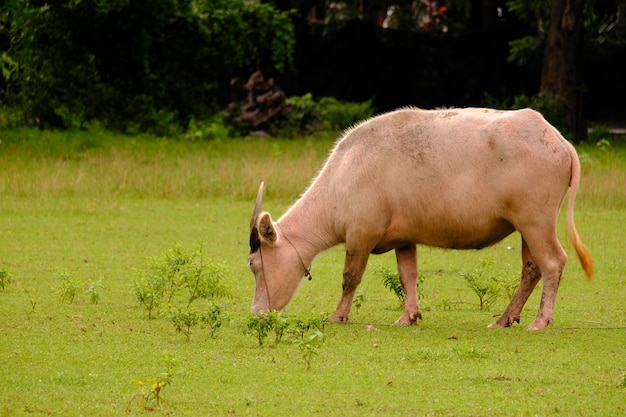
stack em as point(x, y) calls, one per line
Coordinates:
point(267, 232)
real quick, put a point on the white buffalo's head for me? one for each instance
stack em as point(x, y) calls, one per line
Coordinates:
point(275, 262)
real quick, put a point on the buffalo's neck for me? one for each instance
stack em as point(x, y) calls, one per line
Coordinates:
point(308, 225)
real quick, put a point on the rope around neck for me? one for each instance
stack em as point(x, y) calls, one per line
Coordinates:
point(307, 271)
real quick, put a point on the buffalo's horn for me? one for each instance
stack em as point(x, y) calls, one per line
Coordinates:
point(257, 206)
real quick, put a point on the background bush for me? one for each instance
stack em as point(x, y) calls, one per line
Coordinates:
point(303, 115)
point(154, 62)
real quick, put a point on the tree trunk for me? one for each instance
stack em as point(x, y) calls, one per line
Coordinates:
point(490, 15)
point(559, 76)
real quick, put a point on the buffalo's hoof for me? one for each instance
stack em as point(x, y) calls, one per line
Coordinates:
point(339, 318)
point(408, 319)
point(539, 324)
point(503, 322)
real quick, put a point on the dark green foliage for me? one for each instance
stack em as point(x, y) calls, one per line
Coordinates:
point(304, 114)
point(133, 65)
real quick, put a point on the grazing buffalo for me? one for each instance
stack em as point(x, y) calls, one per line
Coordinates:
point(452, 178)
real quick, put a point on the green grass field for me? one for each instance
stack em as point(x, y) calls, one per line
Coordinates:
point(95, 205)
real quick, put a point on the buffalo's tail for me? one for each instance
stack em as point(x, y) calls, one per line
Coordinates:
point(579, 246)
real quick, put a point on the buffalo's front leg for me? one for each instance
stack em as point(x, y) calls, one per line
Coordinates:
point(352, 274)
point(407, 269)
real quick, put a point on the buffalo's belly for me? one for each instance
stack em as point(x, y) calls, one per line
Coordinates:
point(458, 237)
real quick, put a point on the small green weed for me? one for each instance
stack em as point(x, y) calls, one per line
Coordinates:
point(6, 278)
point(391, 281)
point(358, 302)
point(150, 396)
point(308, 332)
point(68, 287)
point(308, 347)
point(214, 316)
point(487, 285)
point(204, 281)
point(448, 303)
point(484, 286)
point(300, 327)
point(94, 289)
point(183, 318)
point(260, 326)
point(148, 292)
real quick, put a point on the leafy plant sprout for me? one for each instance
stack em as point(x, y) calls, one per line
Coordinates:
point(93, 289)
point(391, 281)
point(358, 301)
point(259, 325)
point(68, 287)
point(309, 346)
point(213, 317)
point(6, 278)
point(184, 318)
point(484, 283)
point(152, 388)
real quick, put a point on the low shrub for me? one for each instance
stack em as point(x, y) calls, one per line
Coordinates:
point(305, 115)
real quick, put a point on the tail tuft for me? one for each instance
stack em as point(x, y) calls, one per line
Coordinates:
point(583, 254)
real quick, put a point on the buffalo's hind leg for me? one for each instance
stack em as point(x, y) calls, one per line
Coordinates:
point(406, 258)
point(528, 281)
point(550, 259)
